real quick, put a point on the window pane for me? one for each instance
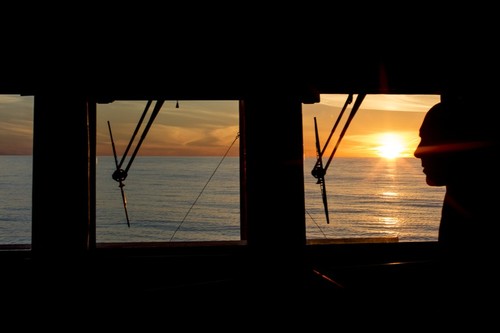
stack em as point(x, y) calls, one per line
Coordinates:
point(374, 186)
point(16, 147)
point(182, 184)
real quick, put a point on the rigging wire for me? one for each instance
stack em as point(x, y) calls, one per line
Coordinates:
point(317, 225)
point(155, 112)
point(148, 104)
point(347, 102)
point(355, 107)
point(205, 186)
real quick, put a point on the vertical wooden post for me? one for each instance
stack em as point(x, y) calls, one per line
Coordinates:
point(243, 178)
point(274, 172)
point(63, 169)
point(92, 130)
point(273, 176)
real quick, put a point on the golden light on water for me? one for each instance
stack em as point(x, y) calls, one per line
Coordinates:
point(389, 220)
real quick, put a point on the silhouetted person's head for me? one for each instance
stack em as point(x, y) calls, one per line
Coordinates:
point(458, 141)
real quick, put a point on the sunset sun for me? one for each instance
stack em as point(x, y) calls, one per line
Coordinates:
point(390, 146)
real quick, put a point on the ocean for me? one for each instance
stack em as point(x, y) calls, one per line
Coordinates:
point(197, 199)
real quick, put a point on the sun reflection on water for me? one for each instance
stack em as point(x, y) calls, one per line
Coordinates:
point(389, 220)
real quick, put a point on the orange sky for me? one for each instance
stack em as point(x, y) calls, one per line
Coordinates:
point(379, 115)
point(210, 127)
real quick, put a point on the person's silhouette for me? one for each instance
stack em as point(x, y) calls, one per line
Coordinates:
point(459, 149)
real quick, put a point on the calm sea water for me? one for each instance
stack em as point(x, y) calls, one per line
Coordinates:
point(197, 199)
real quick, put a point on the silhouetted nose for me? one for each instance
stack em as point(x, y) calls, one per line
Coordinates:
point(418, 152)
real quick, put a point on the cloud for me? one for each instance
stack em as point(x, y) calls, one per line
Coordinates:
point(412, 103)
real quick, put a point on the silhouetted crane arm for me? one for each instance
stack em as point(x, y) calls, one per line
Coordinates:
point(319, 171)
point(121, 174)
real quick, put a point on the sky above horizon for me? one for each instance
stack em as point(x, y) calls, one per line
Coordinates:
point(384, 124)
